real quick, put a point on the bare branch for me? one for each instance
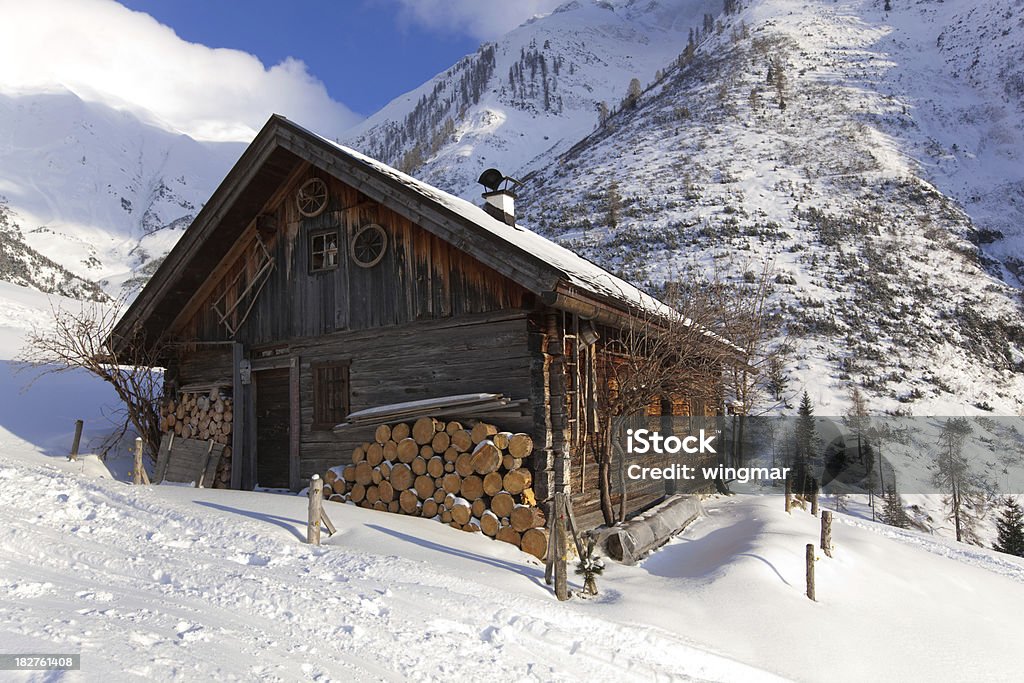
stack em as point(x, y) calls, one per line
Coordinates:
point(84, 339)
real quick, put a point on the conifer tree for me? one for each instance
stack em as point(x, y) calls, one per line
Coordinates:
point(805, 443)
point(632, 94)
point(893, 512)
point(964, 501)
point(1010, 529)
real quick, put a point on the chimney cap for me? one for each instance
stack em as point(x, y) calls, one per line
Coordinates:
point(492, 179)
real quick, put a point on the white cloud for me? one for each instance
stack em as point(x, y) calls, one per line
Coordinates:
point(105, 52)
point(482, 19)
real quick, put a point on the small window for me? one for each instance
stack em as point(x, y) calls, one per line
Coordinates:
point(323, 250)
point(330, 394)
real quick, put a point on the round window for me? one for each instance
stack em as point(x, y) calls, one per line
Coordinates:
point(368, 245)
point(312, 197)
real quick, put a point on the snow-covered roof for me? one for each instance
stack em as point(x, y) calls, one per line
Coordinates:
point(578, 272)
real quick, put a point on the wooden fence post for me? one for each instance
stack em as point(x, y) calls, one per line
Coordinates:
point(316, 497)
point(814, 497)
point(78, 440)
point(561, 549)
point(789, 494)
point(826, 532)
point(810, 571)
point(137, 469)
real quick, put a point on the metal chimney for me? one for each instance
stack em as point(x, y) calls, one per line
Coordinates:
point(499, 200)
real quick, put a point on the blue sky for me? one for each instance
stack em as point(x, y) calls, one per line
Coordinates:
point(366, 52)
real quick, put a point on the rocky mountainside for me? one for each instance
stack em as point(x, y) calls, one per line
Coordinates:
point(22, 265)
point(871, 157)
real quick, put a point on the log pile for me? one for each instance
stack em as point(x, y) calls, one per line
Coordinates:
point(474, 479)
point(205, 416)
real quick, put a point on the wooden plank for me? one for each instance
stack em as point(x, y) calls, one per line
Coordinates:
point(331, 529)
point(188, 460)
point(294, 424)
point(163, 457)
point(248, 457)
point(201, 475)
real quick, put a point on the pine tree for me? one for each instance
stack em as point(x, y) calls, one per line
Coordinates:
point(777, 380)
point(590, 566)
point(632, 94)
point(965, 502)
point(805, 444)
point(893, 512)
point(1010, 529)
point(613, 204)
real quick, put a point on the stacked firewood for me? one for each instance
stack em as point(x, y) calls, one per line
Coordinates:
point(203, 416)
point(472, 479)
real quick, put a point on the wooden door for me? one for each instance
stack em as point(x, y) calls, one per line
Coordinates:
point(272, 428)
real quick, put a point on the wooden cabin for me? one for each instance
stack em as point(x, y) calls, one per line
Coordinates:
point(317, 281)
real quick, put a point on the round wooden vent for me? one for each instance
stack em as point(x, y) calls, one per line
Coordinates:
point(312, 197)
point(368, 245)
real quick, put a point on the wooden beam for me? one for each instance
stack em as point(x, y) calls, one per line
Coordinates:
point(249, 455)
point(294, 424)
point(238, 421)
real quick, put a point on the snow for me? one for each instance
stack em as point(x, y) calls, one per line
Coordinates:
point(97, 190)
point(163, 583)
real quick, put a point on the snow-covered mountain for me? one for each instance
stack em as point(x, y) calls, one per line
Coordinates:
point(97, 190)
point(530, 95)
point(873, 157)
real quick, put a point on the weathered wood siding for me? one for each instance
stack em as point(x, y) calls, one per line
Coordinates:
point(198, 366)
point(420, 277)
point(481, 353)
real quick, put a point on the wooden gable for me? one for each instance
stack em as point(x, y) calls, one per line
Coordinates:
point(419, 277)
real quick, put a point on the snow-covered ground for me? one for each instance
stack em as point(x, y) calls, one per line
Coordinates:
point(171, 582)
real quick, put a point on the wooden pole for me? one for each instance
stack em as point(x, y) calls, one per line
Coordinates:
point(549, 563)
point(561, 549)
point(810, 571)
point(137, 473)
point(789, 494)
point(316, 496)
point(826, 532)
point(814, 497)
point(78, 440)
